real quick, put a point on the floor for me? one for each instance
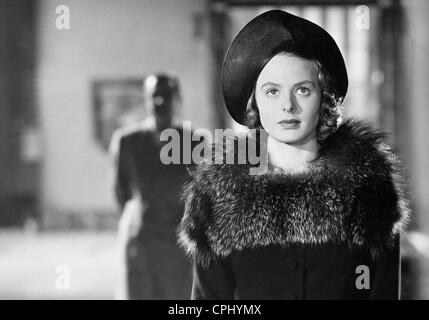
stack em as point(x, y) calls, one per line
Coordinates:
point(84, 265)
point(57, 265)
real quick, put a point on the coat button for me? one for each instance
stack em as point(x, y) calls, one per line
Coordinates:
point(290, 264)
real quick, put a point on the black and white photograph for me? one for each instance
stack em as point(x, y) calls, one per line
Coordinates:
point(214, 150)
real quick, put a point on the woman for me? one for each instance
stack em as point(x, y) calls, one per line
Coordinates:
point(323, 221)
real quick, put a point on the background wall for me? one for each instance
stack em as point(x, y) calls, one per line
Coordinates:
point(19, 164)
point(107, 39)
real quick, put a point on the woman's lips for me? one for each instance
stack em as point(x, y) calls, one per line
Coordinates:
point(290, 123)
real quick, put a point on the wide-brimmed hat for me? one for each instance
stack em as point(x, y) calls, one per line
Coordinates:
point(264, 37)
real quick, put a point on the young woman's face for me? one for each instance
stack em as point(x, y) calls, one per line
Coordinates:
point(288, 97)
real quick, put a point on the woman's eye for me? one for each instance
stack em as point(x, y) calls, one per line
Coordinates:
point(303, 91)
point(272, 92)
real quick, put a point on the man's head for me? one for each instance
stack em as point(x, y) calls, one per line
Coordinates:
point(161, 93)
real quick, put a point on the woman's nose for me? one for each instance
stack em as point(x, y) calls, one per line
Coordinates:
point(288, 104)
point(290, 107)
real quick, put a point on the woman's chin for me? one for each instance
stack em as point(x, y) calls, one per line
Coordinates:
point(289, 137)
point(288, 141)
point(293, 136)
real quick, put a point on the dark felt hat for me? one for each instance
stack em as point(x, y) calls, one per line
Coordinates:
point(261, 39)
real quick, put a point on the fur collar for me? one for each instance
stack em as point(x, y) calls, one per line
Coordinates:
point(352, 193)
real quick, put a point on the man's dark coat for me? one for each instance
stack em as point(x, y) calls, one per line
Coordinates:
point(148, 192)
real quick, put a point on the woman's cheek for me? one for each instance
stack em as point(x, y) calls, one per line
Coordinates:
point(313, 108)
point(269, 121)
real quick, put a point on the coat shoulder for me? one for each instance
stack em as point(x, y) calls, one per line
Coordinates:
point(366, 148)
point(353, 193)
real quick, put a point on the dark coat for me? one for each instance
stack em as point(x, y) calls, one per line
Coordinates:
point(148, 191)
point(299, 235)
point(140, 175)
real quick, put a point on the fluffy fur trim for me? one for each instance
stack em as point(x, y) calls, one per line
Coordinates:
point(353, 193)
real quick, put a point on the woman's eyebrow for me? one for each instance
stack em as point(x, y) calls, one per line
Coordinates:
point(304, 82)
point(271, 84)
point(295, 85)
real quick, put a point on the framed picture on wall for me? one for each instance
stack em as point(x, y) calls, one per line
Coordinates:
point(116, 103)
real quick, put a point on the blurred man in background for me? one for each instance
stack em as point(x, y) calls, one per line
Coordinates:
point(148, 193)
